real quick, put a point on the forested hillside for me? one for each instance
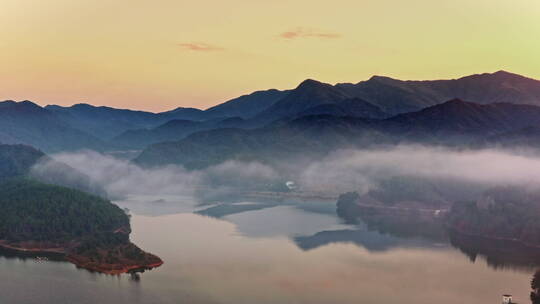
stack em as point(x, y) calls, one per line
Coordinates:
point(40, 212)
point(17, 160)
point(92, 232)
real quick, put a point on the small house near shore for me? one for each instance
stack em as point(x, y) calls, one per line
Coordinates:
point(507, 299)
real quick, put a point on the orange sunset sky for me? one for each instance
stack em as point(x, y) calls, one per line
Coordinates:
point(162, 54)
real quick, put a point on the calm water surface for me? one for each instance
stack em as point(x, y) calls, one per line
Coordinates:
point(280, 254)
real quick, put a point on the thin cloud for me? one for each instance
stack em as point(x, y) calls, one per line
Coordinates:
point(308, 33)
point(200, 47)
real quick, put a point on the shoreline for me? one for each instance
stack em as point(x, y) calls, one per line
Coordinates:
point(79, 260)
point(289, 195)
point(57, 250)
point(440, 216)
point(493, 238)
point(110, 269)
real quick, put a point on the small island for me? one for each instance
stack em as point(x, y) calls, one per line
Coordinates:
point(87, 230)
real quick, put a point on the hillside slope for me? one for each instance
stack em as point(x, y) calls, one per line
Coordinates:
point(455, 123)
point(27, 123)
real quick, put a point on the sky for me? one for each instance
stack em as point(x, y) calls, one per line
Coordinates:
point(162, 54)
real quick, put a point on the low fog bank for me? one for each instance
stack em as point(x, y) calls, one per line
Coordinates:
point(50, 171)
point(121, 178)
point(342, 171)
point(363, 170)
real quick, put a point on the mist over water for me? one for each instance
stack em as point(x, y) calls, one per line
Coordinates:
point(302, 240)
point(121, 177)
point(341, 171)
point(361, 169)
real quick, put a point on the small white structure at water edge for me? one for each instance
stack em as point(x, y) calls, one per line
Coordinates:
point(507, 299)
point(291, 185)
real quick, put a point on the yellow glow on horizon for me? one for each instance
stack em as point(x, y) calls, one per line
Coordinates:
point(158, 55)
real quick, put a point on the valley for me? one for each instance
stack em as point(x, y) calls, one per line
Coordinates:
point(446, 173)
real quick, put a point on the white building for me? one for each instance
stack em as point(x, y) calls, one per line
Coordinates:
point(291, 185)
point(507, 299)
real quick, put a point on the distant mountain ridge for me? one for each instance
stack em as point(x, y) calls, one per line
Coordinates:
point(312, 94)
point(453, 123)
point(170, 131)
point(397, 96)
point(107, 122)
point(55, 128)
point(247, 106)
point(464, 119)
point(376, 98)
point(27, 123)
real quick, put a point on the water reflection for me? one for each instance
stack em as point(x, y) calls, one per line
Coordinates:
point(228, 265)
point(221, 210)
point(313, 224)
point(287, 253)
point(370, 240)
point(282, 222)
point(498, 254)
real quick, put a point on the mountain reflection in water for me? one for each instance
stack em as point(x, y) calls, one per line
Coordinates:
point(291, 253)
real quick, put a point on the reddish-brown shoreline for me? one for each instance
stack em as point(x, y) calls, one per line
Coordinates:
point(11, 246)
point(81, 261)
point(109, 268)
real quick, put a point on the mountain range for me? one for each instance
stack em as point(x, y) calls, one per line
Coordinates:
point(27, 123)
point(382, 108)
point(453, 123)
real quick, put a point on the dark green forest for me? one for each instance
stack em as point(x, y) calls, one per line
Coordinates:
point(503, 212)
point(16, 160)
point(35, 211)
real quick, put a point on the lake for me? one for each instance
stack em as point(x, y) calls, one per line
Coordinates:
point(278, 253)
